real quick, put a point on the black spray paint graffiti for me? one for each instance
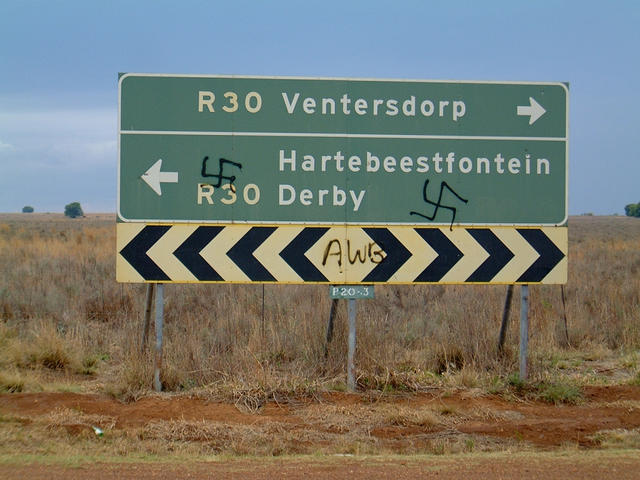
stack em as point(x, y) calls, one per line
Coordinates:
point(370, 252)
point(219, 175)
point(439, 204)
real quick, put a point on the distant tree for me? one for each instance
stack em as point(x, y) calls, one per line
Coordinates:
point(27, 209)
point(632, 210)
point(73, 210)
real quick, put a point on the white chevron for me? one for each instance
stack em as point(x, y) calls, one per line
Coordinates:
point(559, 237)
point(473, 255)
point(524, 255)
point(125, 232)
point(215, 253)
point(334, 248)
point(421, 254)
point(268, 254)
point(162, 253)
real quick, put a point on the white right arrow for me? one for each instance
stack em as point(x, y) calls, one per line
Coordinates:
point(154, 177)
point(534, 110)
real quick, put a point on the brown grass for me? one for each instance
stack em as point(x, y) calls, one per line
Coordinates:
point(61, 312)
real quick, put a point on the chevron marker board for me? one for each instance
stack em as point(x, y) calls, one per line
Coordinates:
point(340, 255)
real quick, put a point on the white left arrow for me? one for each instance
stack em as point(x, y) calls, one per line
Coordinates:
point(154, 177)
point(534, 110)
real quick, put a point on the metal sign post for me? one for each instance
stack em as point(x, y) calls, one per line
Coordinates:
point(349, 293)
point(351, 377)
point(524, 329)
point(157, 385)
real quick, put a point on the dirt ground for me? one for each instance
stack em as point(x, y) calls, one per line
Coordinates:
point(541, 424)
point(537, 432)
point(544, 467)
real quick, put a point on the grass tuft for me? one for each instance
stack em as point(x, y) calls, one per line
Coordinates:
point(48, 348)
point(11, 382)
point(618, 439)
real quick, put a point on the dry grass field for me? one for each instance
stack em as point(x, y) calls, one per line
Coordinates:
point(68, 329)
point(65, 319)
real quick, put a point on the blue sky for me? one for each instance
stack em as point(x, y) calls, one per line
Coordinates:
point(59, 63)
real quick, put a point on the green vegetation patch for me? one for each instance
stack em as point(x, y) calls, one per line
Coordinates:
point(559, 393)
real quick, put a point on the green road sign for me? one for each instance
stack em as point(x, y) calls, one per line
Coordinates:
point(252, 150)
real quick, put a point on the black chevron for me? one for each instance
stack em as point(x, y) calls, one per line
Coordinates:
point(189, 253)
point(396, 255)
point(294, 254)
point(499, 255)
point(242, 254)
point(135, 252)
point(550, 255)
point(448, 255)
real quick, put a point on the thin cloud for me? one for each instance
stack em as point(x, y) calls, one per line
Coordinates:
point(6, 147)
point(92, 123)
point(59, 137)
point(84, 152)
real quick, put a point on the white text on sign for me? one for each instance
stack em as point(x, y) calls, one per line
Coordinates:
point(294, 103)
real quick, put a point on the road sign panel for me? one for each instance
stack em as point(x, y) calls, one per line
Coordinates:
point(341, 181)
point(339, 151)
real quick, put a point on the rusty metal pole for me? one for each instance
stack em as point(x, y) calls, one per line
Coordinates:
point(564, 314)
point(505, 319)
point(332, 316)
point(157, 386)
point(147, 317)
